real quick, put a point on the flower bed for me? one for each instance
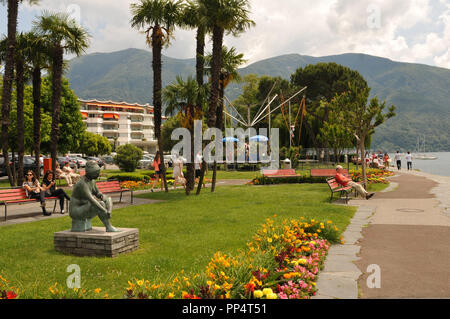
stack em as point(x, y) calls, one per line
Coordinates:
point(281, 262)
point(374, 176)
point(141, 185)
point(6, 290)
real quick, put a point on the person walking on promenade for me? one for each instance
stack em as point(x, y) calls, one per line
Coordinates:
point(34, 191)
point(345, 181)
point(178, 176)
point(409, 160)
point(398, 159)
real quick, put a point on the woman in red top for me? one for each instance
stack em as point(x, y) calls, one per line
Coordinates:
point(157, 167)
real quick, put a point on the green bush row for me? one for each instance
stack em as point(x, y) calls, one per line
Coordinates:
point(263, 180)
point(136, 177)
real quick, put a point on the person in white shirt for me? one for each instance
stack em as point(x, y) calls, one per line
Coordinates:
point(198, 168)
point(178, 175)
point(409, 160)
point(398, 159)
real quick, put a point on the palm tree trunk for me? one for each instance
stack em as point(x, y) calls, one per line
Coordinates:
point(20, 125)
point(219, 125)
point(157, 87)
point(216, 64)
point(190, 166)
point(200, 60)
point(37, 116)
point(363, 166)
point(56, 102)
point(8, 77)
point(200, 72)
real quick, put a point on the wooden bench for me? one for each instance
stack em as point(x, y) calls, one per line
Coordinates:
point(17, 196)
point(324, 172)
point(279, 173)
point(335, 187)
point(111, 187)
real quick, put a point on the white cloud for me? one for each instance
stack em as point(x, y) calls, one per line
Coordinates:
point(392, 29)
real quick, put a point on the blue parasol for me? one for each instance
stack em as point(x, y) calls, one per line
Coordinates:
point(259, 138)
point(230, 139)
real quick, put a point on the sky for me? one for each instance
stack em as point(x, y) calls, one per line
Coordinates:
point(416, 31)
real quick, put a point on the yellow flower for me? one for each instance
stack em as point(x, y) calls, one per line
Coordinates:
point(140, 282)
point(271, 296)
point(269, 240)
point(267, 291)
point(171, 295)
point(258, 294)
point(97, 291)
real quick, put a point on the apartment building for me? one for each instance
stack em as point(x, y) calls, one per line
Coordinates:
point(121, 122)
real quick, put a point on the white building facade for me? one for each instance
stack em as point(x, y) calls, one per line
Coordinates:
point(121, 122)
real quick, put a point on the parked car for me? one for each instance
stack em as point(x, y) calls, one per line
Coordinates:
point(108, 159)
point(62, 161)
point(146, 162)
point(79, 161)
point(2, 166)
point(96, 159)
point(29, 163)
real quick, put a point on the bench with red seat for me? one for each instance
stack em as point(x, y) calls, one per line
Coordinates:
point(18, 196)
point(279, 173)
point(324, 172)
point(335, 187)
point(111, 187)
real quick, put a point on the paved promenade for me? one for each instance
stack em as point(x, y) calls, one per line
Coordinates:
point(406, 232)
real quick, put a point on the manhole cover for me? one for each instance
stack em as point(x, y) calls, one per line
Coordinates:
point(410, 210)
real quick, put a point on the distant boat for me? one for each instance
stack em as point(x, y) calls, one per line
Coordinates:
point(422, 155)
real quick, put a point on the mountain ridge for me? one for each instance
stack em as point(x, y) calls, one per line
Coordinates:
point(420, 92)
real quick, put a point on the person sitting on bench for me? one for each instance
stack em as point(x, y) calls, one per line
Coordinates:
point(345, 181)
point(34, 191)
point(48, 185)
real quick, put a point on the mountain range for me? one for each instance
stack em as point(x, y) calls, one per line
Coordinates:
point(421, 93)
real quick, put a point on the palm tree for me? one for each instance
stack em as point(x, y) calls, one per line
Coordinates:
point(21, 74)
point(222, 16)
point(231, 60)
point(158, 19)
point(8, 77)
point(37, 56)
point(62, 35)
point(186, 97)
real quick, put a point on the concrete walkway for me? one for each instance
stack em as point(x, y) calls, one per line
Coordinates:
point(405, 231)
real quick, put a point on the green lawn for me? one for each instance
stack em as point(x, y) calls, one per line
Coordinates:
point(179, 233)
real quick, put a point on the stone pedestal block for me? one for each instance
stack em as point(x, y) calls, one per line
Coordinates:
point(97, 242)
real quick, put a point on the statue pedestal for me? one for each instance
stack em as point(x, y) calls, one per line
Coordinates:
point(97, 242)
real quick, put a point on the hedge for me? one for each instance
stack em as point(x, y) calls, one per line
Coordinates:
point(263, 180)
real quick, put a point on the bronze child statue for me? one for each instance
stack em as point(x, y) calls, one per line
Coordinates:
point(87, 202)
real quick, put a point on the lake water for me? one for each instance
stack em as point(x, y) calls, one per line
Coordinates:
point(440, 166)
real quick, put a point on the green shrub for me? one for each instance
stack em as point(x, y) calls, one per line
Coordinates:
point(124, 177)
point(128, 157)
point(263, 180)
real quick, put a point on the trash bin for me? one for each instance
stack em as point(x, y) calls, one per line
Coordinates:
point(47, 164)
point(287, 164)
